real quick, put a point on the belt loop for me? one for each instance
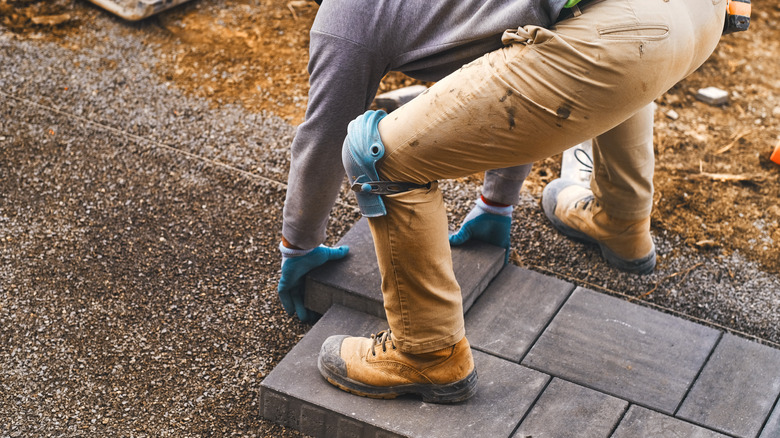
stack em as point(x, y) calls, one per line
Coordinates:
point(575, 10)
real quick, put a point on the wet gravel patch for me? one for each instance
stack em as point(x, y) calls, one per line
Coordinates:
point(138, 229)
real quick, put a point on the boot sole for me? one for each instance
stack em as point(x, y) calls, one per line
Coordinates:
point(431, 393)
point(642, 266)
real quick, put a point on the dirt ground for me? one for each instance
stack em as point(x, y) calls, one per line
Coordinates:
point(715, 186)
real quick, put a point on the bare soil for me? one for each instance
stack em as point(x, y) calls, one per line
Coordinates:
point(715, 186)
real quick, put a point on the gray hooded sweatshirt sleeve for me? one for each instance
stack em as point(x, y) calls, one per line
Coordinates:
point(353, 45)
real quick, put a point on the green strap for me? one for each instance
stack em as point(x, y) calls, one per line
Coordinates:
point(571, 3)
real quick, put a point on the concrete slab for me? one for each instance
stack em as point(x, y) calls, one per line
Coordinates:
point(565, 407)
point(355, 282)
point(294, 394)
point(642, 422)
point(629, 351)
point(737, 389)
point(772, 426)
point(512, 312)
point(352, 282)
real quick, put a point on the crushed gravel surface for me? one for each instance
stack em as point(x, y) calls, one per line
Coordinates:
point(138, 228)
point(137, 293)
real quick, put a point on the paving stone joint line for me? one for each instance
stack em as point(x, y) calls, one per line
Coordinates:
point(591, 387)
point(698, 374)
point(547, 325)
point(649, 304)
point(775, 407)
point(369, 428)
point(533, 403)
point(620, 420)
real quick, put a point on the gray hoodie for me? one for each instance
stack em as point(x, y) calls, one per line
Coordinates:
point(353, 45)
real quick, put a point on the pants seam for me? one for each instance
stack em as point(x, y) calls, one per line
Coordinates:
point(402, 305)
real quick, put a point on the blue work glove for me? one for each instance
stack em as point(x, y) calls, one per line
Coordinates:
point(295, 265)
point(486, 223)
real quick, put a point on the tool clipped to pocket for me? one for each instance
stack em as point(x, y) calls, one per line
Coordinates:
point(737, 16)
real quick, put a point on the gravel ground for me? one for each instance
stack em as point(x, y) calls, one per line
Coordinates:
point(137, 293)
point(138, 229)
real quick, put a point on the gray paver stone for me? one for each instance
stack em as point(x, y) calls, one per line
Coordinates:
point(295, 394)
point(737, 389)
point(566, 409)
point(642, 422)
point(512, 312)
point(623, 349)
point(355, 282)
point(772, 426)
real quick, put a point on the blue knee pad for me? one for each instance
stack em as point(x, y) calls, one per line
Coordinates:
point(363, 147)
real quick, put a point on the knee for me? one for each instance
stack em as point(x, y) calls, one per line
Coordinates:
point(362, 149)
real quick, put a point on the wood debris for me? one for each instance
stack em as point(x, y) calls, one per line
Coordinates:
point(725, 177)
point(297, 4)
point(50, 20)
point(737, 137)
point(706, 244)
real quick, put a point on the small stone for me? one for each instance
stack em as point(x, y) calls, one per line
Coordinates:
point(672, 114)
point(672, 99)
point(713, 96)
point(775, 114)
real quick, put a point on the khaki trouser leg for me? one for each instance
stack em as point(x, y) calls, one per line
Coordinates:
point(421, 296)
point(549, 90)
point(623, 167)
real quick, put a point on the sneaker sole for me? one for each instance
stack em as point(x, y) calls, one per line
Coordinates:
point(642, 266)
point(454, 392)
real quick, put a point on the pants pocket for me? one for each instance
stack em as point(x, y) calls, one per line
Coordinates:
point(644, 32)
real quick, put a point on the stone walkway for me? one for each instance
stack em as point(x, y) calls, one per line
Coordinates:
point(554, 360)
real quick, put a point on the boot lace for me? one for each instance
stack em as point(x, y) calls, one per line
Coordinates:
point(586, 203)
point(584, 158)
point(382, 338)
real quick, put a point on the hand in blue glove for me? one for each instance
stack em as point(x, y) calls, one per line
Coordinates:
point(487, 223)
point(295, 265)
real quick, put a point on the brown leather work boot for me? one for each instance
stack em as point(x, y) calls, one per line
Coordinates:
point(573, 211)
point(374, 367)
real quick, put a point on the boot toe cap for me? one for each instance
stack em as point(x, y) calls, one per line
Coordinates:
point(550, 198)
point(329, 361)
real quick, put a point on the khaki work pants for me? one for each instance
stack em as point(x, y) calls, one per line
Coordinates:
point(593, 75)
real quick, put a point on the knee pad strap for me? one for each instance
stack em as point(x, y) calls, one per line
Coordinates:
point(362, 149)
